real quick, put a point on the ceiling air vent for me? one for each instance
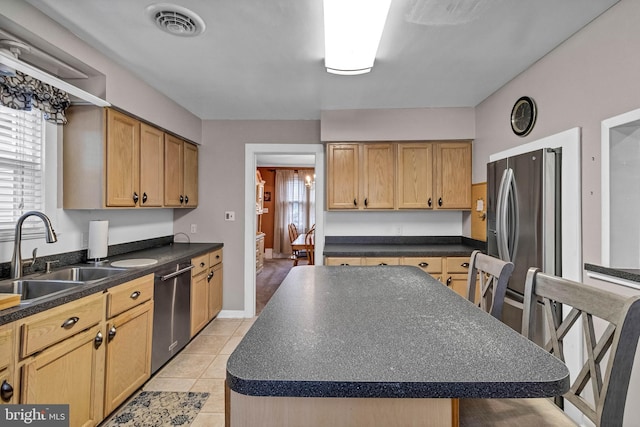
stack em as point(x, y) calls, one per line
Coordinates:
point(176, 20)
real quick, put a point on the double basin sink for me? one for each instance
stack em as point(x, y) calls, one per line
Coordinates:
point(45, 285)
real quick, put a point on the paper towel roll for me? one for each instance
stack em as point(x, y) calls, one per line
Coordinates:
point(98, 239)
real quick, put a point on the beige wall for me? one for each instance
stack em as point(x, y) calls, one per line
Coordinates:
point(590, 77)
point(221, 178)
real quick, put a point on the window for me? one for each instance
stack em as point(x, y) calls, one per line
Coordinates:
point(21, 169)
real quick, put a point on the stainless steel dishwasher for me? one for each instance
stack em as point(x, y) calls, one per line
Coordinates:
point(171, 312)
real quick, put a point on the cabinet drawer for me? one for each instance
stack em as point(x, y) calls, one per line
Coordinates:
point(44, 329)
point(6, 347)
point(458, 264)
point(215, 257)
point(382, 261)
point(201, 263)
point(123, 297)
point(344, 261)
point(428, 264)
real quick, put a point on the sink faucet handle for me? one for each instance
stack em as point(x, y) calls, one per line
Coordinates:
point(48, 265)
point(30, 262)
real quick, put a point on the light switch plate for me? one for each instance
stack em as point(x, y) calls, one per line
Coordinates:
point(229, 216)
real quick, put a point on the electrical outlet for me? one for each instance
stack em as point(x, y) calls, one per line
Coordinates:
point(229, 216)
point(194, 228)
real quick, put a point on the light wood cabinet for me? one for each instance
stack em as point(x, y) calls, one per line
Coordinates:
point(8, 384)
point(122, 160)
point(343, 176)
point(113, 160)
point(431, 265)
point(402, 175)
point(151, 166)
point(206, 289)
point(361, 176)
point(415, 175)
point(381, 261)
point(453, 175)
point(456, 273)
point(128, 341)
point(180, 173)
point(343, 261)
point(68, 367)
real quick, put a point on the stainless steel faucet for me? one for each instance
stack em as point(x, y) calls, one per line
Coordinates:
point(16, 259)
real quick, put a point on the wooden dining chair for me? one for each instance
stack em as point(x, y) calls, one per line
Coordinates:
point(490, 276)
point(309, 245)
point(601, 398)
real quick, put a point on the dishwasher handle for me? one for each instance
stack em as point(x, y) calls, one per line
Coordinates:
point(177, 273)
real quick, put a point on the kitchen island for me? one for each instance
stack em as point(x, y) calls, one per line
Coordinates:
point(377, 346)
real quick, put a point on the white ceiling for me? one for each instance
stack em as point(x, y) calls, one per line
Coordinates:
point(263, 59)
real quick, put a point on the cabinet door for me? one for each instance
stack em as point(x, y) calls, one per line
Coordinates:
point(215, 290)
point(343, 261)
point(190, 175)
point(457, 283)
point(151, 166)
point(199, 302)
point(378, 176)
point(7, 364)
point(415, 176)
point(71, 372)
point(128, 359)
point(342, 176)
point(381, 261)
point(453, 175)
point(173, 171)
point(122, 158)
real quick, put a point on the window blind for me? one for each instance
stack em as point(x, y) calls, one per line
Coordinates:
point(21, 169)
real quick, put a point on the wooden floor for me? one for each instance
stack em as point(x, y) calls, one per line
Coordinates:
point(269, 279)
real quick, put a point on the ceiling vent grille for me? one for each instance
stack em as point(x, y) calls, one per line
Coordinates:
point(176, 20)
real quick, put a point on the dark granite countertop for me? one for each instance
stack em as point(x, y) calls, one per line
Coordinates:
point(632, 274)
point(396, 246)
point(167, 254)
point(390, 331)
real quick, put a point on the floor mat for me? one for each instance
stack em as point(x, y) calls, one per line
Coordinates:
point(159, 408)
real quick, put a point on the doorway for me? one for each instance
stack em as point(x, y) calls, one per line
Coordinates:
point(252, 153)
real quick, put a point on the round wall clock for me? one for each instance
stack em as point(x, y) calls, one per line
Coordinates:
point(523, 116)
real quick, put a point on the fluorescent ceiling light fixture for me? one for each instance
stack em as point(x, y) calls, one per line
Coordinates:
point(352, 32)
point(10, 61)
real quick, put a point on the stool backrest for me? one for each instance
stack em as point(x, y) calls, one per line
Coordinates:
point(616, 345)
point(491, 276)
point(309, 245)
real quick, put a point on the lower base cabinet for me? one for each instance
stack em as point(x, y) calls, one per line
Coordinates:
point(206, 289)
point(452, 271)
point(8, 384)
point(128, 360)
point(71, 372)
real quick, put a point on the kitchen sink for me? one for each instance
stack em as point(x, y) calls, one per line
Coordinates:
point(30, 289)
point(82, 274)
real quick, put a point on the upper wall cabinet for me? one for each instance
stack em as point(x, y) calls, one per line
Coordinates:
point(404, 175)
point(113, 160)
point(360, 176)
point(180, 173)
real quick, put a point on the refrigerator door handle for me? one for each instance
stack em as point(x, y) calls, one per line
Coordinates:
point(501, 216)
point(514, 215)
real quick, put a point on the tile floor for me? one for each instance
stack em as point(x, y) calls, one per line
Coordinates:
point(202, 365)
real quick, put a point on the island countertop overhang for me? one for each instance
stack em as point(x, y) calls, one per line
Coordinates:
point(385, 332)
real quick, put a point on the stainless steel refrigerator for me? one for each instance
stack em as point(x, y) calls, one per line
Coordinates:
point(523, 221)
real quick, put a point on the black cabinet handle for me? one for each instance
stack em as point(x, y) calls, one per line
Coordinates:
point(135, 295)
point(181, 199)
point(202, 264)
point(423, 264)
point(6, 391)
point(135, 197)
point(344, 263)
point(366, 202)
point(112, 332)
point(70, 322)
point(383, 263)
point(186, 200)
point(465, 265)
point(97, 341)
point(429, 202)
point(440, 201)
point(355, 202)
point(209, 276)
point(144, 197)
point(449, 280)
